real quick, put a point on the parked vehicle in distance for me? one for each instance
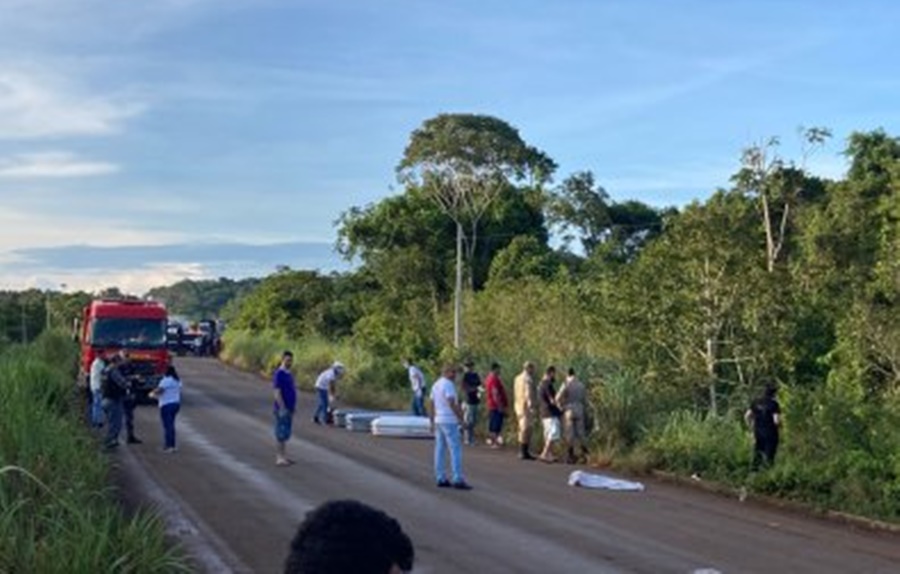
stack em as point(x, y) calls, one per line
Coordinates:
point(175, 338)
point(136, 326)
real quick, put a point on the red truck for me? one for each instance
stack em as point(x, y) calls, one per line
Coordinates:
point(136, 326)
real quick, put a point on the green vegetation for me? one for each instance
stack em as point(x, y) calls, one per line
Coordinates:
point(57, 513)
point(204, 299)
point(676, 318)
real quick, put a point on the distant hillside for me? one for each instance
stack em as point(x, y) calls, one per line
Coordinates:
point(202, 299)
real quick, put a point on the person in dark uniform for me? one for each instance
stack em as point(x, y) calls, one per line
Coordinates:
point(129, 401)
point(764, 416)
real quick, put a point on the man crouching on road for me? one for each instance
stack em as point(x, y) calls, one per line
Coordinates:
point(446, 418)
point(285, 404)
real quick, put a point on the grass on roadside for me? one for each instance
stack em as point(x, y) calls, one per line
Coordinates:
point(57, 512)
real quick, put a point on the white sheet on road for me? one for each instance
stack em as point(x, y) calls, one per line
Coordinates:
point(588, 480)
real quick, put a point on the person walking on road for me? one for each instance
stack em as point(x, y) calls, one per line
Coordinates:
point(418, 385)
point(446, 418)
point(497, 404)
point(764, 415)
point(285, 391)
point(471, 385)
point(168, 394)
point(550, 413)
point(95, 386)
point(326, 390)
point(525, 403)
point(572, 399)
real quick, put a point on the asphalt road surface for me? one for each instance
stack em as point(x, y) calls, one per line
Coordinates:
point(224, 498)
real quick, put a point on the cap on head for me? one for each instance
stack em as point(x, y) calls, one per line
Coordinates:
point(338, 366)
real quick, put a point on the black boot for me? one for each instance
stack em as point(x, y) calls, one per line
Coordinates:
point(570, 456)
point(134, 440)
point(523, 452)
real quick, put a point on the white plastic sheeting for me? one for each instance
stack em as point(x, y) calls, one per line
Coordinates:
point(588, 480)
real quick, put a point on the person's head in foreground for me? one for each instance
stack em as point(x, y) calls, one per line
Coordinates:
point(347, 536)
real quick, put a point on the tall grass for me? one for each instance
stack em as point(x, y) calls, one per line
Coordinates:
point(370, 381)
point(57, 512)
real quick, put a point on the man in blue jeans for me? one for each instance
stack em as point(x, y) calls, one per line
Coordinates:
point(446, 418)
point(285, 404)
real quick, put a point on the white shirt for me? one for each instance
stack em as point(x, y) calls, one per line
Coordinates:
point(171, 391)
point(97, 366)
point(416, 379)
point(443, 394)
point(326, 378)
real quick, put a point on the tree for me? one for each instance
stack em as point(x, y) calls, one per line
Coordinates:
point(778, 186)
point(463, 162)
point(581, 205)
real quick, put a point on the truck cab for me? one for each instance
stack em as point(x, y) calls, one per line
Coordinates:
point(134, 326)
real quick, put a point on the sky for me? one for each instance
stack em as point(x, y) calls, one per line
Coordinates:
point(145, 142)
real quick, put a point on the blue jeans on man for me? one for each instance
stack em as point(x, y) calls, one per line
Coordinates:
point(447, 441)
point(418, 405)
point(96, 409)
point(114, 411)
point(321, 415)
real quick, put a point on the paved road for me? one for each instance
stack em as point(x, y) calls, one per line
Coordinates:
point(222, 491)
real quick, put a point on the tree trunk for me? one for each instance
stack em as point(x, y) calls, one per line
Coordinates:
point(457, 304)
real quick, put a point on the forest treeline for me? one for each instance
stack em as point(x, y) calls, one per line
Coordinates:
point(676, 317)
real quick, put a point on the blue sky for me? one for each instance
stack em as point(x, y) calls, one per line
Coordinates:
point(162, 136)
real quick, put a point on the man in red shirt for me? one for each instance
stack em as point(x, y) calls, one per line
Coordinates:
point(497, 404)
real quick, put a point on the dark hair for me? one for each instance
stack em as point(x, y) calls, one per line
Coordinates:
point(495, 366)
point(551, 370)
point(171, 372)
point(571, 371)
point(287, 354)
point(771, 390)
point(348, 536)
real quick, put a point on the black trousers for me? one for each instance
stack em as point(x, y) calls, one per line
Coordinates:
point(764, 450)
point(128, 405)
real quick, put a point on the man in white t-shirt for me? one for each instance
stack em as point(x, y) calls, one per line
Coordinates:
point(446, 418)
point(417, 384)
point(326, 389)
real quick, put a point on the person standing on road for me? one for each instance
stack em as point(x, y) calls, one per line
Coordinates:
point(446, 418)
point(471, 385)
point(114, 388)
point(550, 413)
point(764, 416)
point(418, 384)
point(326, 389)
point(343, 536)
point(129, 402)
point(572, 399)
point(285, 391)
point(96, 390)
point(168, 394)
point(497, 404)
point(525, 402)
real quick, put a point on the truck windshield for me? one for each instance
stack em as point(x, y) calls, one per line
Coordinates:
point(128, 333)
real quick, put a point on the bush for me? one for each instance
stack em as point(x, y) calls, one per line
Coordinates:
point(715, 447)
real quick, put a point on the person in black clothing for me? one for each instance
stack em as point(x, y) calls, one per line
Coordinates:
point(550, 414)
point(764, 415)
point(348, 536)
point(113, 389)
point(129, 401)
point(471, 384)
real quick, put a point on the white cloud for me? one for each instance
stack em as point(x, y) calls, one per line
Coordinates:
point(38, 104)
point(136, 281)
point(50, 165)
point(20, 229)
